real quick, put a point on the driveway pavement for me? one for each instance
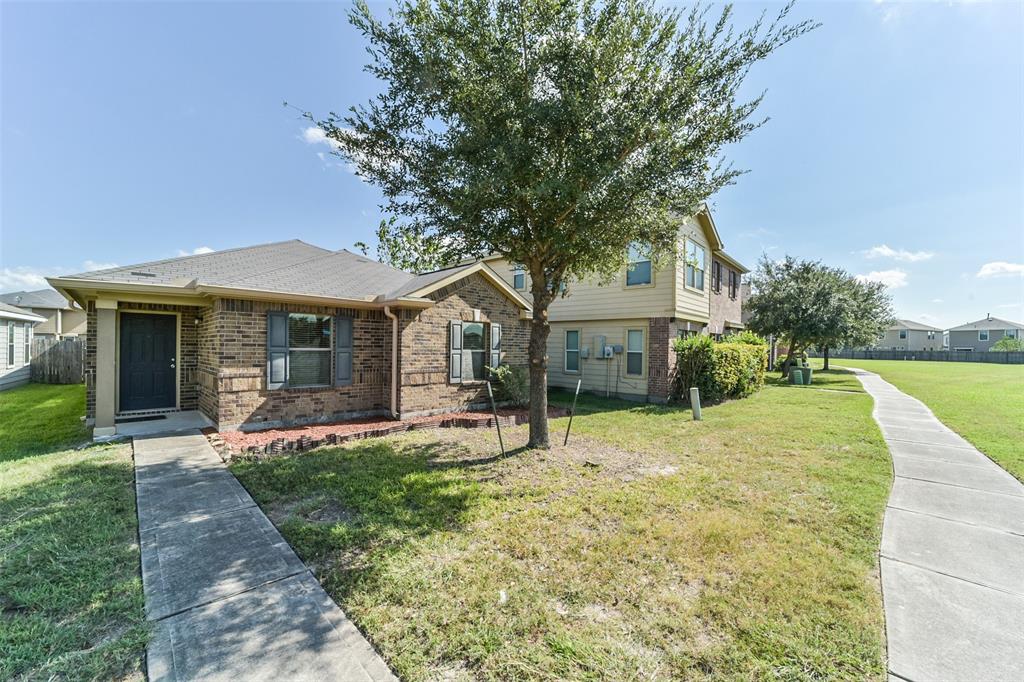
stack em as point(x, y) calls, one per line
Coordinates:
point(952, 556)
point(229, 597)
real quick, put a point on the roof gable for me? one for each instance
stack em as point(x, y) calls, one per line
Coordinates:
point(40, 298)
point(987, 323)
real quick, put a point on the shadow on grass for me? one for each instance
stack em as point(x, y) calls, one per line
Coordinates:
point(71, 602)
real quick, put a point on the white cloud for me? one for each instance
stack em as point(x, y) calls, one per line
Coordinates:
point(199, 250)
point(28, 278)
point(937, 300)
point(886, 251)
point(1004, 306)
point(315, 135)
point(1000, 268)
point(894, 279)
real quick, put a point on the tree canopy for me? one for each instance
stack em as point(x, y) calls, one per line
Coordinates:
point(810, 304)
point(555, 133)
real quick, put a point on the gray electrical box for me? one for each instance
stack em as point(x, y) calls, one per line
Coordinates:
point(617, 348)
point(599, 343)
point(585, 352)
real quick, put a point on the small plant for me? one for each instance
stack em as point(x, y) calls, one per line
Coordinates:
point(514, 384)
point(746, 336)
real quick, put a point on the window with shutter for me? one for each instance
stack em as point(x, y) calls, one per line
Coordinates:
point(455, 352)
point(277, 350)
point(343, 351)
point(495, 345)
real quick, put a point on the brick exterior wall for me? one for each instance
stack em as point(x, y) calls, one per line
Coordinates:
point(224, 359)
point(424, 343)
point(723, 308)
point(661, 362)
point(187, 362)
point(238, 369)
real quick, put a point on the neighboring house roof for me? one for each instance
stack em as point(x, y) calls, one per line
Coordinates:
point(292, 269)
point(913, 326)
point(42, 298)
point(13, 312)
point(987, 323)
point(428, 282)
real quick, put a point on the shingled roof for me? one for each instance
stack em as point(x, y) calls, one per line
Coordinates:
point(913, 326)
point(41, 298)
point(988, 323)
point(288, 268)
point(13, 312)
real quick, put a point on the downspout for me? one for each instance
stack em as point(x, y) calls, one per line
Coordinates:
point(394, 360)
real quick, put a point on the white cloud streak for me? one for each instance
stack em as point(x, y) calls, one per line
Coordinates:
point(894, 279)
point(28, 278)
point(1000, 268)
point(886, 251)
point(199, 250)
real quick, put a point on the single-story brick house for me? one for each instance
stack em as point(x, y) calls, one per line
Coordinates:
point(290, 333)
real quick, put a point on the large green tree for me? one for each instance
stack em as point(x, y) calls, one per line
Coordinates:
point(809, 304)
point(552, 132)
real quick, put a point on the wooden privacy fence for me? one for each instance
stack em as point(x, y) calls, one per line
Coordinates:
point(998, 357)
point(58, 361)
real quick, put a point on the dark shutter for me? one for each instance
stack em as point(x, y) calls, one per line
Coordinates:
point(342, 351)
point(455, 352)
point(277, 350)
point(495, 345)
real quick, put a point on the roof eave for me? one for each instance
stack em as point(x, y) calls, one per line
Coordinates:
point(487, 273)
point(22, 317)
point(286, 296)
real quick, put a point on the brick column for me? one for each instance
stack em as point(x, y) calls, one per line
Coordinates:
point(662, 360)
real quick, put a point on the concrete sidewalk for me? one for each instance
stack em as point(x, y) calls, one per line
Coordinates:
point(230, 598)
point(952, 557)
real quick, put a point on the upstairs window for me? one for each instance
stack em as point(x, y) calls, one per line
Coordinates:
point(1010, 333)
point(734, 283)
point(695, 265)
point(518, 277)
point(903, 334)
point(638, 268)
point(716, 277)
point(931, 336)
point(983, 335)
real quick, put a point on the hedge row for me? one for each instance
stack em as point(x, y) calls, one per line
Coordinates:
point(733, 368)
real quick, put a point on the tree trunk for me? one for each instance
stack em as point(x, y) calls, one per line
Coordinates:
point(539, 330)
point(825, 367)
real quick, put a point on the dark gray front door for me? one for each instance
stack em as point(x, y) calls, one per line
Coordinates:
point(147, 361)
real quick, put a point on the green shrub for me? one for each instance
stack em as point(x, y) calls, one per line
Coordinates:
point(719, 370)
point(513, 384)
point(1008, 343)
point(746, 336)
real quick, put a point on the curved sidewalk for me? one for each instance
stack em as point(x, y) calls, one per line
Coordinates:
point(952, 556)
point(229, 598)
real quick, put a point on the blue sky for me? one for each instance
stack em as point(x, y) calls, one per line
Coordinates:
point(131, 131)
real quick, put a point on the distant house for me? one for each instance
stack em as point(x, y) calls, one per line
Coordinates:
point(910, 335)
point(290, 333)
point(15, 344)
point(60, 317)
point(983, 334)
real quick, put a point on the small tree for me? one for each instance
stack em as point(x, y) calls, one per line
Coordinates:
point(553, 133)
point(1008, 343)
point(810, 304)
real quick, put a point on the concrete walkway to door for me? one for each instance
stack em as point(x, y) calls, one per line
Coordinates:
point(230, 599)
point(952, 556)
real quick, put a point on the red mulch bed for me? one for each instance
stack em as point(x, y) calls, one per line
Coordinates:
point(316, 435)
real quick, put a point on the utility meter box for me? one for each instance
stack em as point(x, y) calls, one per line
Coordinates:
point(617, 348)
point(585, 352)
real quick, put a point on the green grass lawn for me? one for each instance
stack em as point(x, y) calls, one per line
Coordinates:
point(743, 546)
point(40, 418)
point(71, 604)
point(982, 402)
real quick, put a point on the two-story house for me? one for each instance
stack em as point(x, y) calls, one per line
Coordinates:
point(910, 335)
point(982, 335)
point(61, 318)
point(616, 336)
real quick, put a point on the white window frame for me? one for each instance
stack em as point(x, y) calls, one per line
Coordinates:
point(485, 341)
point(28, 343)
point(10, 343)
point(903, 334)
point(635, 256)
point(640, 352)
point(691, 268)
point(981, 332)
point(566, 350)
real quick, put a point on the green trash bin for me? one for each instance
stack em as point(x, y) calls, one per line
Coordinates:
point(796, 376)
point(807, 372)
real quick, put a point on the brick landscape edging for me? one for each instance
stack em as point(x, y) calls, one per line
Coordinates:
point(303, 441)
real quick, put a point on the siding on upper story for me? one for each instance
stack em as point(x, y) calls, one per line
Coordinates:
point(72, 322)
point(972, 338)
point(917, 339)
point(666, 296)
